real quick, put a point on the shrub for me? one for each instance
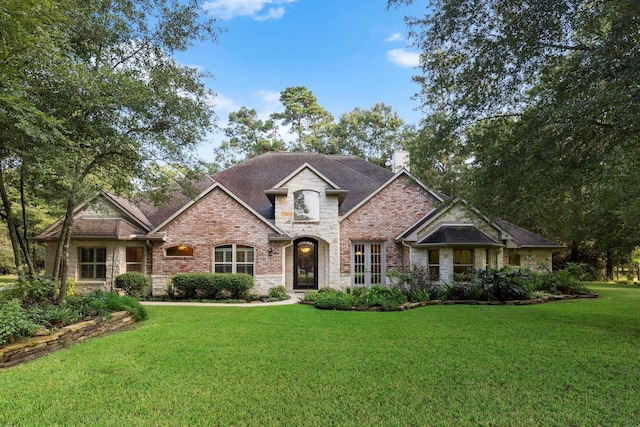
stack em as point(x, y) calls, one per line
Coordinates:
point(388, 299)
point(14, 322)
point(334, 301)
point(38, 290)
point(310, 296)
point(212, 285)
point(278, 292)
point(58, 315)
point(71, 286)
point(102, 303)
point(133, 284)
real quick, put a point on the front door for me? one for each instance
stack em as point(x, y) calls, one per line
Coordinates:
point(305, 264)
point(368, 264)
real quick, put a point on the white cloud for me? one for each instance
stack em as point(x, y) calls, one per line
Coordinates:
point(222, 106)
point(403, 57)
point(272, 13)
point(395, 37)
point(269, 102)
point(260, 10)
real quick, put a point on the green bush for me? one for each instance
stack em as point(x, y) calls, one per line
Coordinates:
point(334, 301)
point(14, 322)
point(212, 285)
point(59, 315)
point(38, 290)
point(102, 303)
point(278, 292)
point(417, 284)
point(133, 284)
point(387, 298)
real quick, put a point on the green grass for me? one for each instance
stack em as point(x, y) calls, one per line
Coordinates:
point(566, 363)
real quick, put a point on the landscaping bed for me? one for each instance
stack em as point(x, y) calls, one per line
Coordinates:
point(32, 348)
point(416, 289)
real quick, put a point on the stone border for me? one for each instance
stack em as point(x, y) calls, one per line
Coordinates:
point(412, 305)
point(35, 347)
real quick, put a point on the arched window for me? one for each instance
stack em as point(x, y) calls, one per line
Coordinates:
point(306, 206)
point(179, 251)
point(234, 258)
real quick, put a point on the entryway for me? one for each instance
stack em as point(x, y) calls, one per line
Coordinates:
point(305, 264)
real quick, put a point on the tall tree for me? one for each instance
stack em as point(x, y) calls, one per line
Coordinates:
point(308, 120)
point(553, 84)
point(30, 35)
point(249, 137)
point(121, 101)
point(372, 134)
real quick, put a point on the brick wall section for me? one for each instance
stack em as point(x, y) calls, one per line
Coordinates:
point(216, 219)
point(32, 348)
point(390, 212)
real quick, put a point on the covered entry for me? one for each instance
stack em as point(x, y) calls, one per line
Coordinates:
point(305, 264)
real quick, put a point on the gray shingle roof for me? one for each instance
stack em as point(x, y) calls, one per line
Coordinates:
point(250, 179)
point(524, 238)
point(458, 235)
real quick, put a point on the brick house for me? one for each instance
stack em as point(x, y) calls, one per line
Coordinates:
point(302, 220)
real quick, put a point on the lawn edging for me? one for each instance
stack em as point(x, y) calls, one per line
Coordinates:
point(35, 347)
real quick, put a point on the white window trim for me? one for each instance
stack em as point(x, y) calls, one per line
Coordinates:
point(234, 257)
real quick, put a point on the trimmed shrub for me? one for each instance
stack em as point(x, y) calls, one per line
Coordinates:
point(133, 284)
point(212, 285)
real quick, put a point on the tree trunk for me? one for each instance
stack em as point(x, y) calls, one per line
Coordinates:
point(11, 224)
point(575, 251)
point(609, 265)
point(26, 246)
point(65, 238)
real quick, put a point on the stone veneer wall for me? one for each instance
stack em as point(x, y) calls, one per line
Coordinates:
point(32, 348)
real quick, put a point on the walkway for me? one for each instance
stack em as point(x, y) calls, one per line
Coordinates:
point(293, 299)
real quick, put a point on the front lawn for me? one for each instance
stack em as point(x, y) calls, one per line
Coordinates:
point(563, 363)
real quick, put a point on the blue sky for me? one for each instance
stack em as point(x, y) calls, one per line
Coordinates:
point(350, 53)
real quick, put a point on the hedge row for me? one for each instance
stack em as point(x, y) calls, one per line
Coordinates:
point(212, 285)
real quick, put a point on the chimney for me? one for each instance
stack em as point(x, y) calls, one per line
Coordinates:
point(400, 160)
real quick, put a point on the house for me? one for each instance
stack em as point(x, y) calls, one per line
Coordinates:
point(301, 220)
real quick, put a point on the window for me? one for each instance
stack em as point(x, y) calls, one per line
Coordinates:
point(180, 251)
point(93, 263)
point(233, 259)
point(434, 264)
point(134, 260)
point(514, 260)
point(462, 260)
point(306, 206)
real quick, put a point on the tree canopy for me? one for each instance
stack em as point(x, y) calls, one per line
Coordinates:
point(373, 134)
point(103, 79)
point(542, 99)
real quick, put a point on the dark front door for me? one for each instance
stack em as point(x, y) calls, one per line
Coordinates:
point(305, 263)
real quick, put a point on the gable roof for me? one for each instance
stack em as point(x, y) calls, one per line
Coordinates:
point(275, 230)
point(401, 172)
point(458, 235)
point(250, 179)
